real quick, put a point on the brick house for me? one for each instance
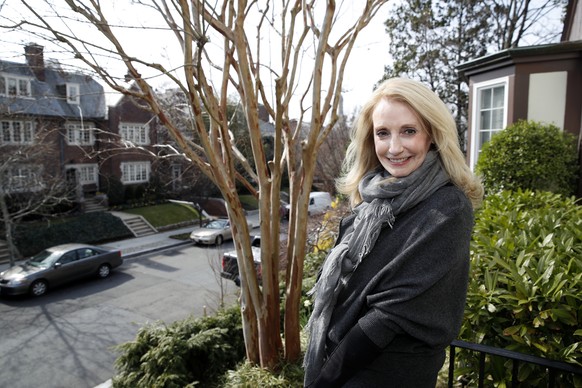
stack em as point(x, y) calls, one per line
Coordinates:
point(67, 112)
point(541, 83)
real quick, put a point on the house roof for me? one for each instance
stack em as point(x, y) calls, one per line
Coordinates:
point(49, 96)
point(521, 54)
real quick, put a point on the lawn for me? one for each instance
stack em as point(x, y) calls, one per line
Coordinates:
point(166, 214)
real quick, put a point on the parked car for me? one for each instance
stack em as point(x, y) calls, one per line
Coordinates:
point(215, 232)
point(319, 202)
point(230, 263)
point(58, 265)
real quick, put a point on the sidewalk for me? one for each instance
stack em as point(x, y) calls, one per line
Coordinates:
point(139, 245)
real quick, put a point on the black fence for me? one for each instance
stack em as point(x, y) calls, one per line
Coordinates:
point(554, 368)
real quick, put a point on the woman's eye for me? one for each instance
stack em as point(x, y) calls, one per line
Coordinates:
point(382, 133)
point(410, 131)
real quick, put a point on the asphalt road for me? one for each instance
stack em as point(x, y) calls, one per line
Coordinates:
point(67, 337)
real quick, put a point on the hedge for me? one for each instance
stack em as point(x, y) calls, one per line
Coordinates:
point(88, 228)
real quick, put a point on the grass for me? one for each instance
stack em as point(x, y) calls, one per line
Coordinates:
point(166, 214)
point(249, 202)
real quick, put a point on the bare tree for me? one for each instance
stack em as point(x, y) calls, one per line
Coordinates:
point(516, 20)
point(331, 156)
point(235, 40)
point(28, 186)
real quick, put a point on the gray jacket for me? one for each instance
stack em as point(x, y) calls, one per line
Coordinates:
point(408, 294)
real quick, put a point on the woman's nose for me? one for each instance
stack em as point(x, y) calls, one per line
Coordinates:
point(395, 146)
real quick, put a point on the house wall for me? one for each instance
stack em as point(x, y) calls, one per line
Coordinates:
point(553, 103)
point(542, 85)
point(127, 110)
point(547, 97)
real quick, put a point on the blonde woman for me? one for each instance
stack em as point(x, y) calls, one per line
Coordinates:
point(391, 294)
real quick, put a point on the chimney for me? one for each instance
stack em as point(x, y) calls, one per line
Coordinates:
point(35, 60)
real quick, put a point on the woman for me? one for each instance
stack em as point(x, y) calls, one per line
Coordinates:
point(391, 294)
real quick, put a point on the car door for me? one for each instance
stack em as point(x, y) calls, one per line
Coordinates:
point(89, 260)
point(65, 269)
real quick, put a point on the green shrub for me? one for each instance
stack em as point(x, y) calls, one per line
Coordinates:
point(184, 354)
point(113, 187)
point(247, 375)
point(529, 155)
point(89, 228)
point(524, 293)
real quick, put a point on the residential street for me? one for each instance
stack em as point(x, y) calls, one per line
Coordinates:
point(67, 338)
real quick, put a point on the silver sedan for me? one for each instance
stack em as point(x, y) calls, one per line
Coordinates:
point(215, 232)
point(58, 265)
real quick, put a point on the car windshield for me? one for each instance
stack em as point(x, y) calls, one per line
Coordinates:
point(218, 224)
point(43, 259)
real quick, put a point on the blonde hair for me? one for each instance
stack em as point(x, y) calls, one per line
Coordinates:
point(437, 121)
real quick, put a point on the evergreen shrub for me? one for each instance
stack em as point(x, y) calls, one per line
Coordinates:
point(525, 285)
point(187, 353)
point(529, 155)
point(114, 189)
point(88, 228)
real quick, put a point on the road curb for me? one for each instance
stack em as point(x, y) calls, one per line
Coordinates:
point(153, 250)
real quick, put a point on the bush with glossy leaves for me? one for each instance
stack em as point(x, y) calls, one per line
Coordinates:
point(524, 291)
point(529, 155)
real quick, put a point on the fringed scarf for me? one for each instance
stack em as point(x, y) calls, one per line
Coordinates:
point(384, 197)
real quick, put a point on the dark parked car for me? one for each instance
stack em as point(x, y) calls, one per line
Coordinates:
point(230, 264)
point(58, 265)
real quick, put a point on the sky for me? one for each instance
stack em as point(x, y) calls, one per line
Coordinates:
point(364, 69)
point(365, 65)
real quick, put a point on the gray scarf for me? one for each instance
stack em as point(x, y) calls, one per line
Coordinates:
point(384, 197)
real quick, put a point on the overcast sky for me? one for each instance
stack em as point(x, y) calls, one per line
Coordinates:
point(365, 65)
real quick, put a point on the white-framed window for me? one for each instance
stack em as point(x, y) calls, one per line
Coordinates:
point(136, 133)
point(73, 95)
point(17, 132)
point(489, 113)
point(80, 133)
point(87, 173)
point(14, 86)
point(135, 172)
point(23, 178)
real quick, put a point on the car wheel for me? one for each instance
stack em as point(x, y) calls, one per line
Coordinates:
point(38, 288)
point(103, 271)
point(219, 240)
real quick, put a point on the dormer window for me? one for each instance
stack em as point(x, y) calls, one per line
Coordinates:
point(14, 86)
point(73, 96)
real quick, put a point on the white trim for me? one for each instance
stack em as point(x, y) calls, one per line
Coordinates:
point(17, 79)
point(87, 173)
point(135, 133)
point(17, 131)
point(135, 172)
point(75, 132)
point(73, 93)
point(22, 178)
point(475, 113)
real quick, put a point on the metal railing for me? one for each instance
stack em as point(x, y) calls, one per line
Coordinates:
point(553, 367)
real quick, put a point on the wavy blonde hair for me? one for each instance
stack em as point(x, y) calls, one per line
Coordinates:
point(435, 118)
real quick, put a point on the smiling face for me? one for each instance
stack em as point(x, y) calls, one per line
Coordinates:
point(400, 140)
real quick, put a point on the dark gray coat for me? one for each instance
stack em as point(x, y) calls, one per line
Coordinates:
point(408, 295)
